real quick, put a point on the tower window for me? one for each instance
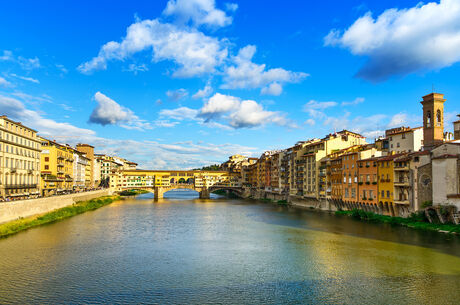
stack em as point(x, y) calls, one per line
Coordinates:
point(428, 119)
point(438, 118)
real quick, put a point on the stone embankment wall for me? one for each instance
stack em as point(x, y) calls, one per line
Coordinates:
point(293, 200)
point(13, 210)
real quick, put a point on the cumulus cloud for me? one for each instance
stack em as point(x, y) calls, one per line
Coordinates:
point(109, 112)
point(4, 82)
point(244, 74)
point(402, 41)
point(218, 105)
point(310, 122)
point(203, 93)
point(241, 114)
point(193, 52)
point(176, 95)
point(197, 13)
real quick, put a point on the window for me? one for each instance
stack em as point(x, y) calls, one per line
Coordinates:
point(397, 144)
point(353, 193)
point(47, 159)
point(371, 194)
point(383, 194)
point(368, 178)
point(438, 118)
point(403, 136)
point(346, 193)
point(388, 194)
point(428, 119)
point(47, 167)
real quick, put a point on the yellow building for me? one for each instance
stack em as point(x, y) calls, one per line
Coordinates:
point(385, 172)
point(127, 179)
point(19, 160)
point(306, 161)
point(56, 168)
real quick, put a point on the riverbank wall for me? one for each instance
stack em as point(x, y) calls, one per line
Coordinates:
point(13, 210)
point(309, 203)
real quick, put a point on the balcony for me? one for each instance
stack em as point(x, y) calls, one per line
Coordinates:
point(21, 186)
point(401, 182)
point(401, 168)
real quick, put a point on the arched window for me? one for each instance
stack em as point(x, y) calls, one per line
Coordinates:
point(438, 118)
point(428, 119)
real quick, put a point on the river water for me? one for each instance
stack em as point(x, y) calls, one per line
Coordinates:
point(183, 250)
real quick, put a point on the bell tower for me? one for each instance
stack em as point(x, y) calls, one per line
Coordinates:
point(433, 120)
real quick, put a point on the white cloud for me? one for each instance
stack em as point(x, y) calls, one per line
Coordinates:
point(193, 52)
point(233, 112)
point(310, 122)
point(29, 79)
point(203, 93)
point(244, 74)
point(241, 114)
point(149, 154)
point(197, 12)
point(312, 104)
point(62, 68)
point(29, 63)
point(356, 101)
point(109, 112)
point(272, 89)
point(165, 123)
point(218, 105)
point(182, 113)
point(4, 82)
point(7, 55)
point(398, 120)
point(176, 95)
point(316, 109)
point(399, 42)
point(231, 7)
point(137, 68)
point(16, 110)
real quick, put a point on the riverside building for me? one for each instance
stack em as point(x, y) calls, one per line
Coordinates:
point(19, 160)
point(57, 168)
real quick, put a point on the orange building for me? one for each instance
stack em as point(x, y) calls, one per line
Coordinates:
point(368, 181)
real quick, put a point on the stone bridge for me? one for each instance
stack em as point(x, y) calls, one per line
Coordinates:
point(204, 192)
point(161, 181)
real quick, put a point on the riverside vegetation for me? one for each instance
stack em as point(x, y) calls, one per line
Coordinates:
point(80, 207)
point(416, 220)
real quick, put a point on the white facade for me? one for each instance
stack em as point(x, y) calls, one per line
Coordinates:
point(406, 141)
point(79, 167)
point(446, 174)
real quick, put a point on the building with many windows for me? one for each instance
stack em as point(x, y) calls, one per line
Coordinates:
point(19, 160)
point(56, 168)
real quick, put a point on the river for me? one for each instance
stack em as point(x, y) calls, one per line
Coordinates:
point(183, 250)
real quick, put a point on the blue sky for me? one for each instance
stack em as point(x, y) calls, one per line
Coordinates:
point(181, 84)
